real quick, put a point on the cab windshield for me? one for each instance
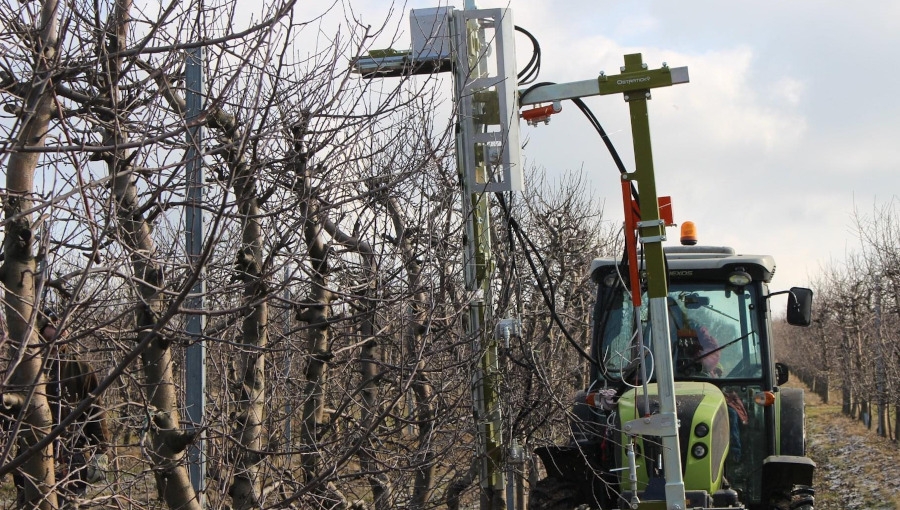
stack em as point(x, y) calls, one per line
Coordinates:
point(713, 332)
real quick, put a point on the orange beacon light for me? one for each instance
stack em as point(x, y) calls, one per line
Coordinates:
point(688, 233)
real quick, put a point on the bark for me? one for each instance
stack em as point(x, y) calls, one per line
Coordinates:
point(315, 312)
point(167, 440)
point(897, 422)
point(247, 487)
point(825, 355)
point(459, 485)
point(413, 341)
point(368, 368)
point(19, 270)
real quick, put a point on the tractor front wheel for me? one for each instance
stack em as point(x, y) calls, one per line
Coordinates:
point(553, 493)
point(800, 498)
point(803, 498)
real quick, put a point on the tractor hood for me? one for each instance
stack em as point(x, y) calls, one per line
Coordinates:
point(703, 434)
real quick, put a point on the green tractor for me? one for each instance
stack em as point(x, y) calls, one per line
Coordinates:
point(741, 435)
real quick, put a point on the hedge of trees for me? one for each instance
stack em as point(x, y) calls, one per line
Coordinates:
point(338, 369)
point(852, 349)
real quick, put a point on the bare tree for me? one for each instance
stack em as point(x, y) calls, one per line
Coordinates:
point(25, 375)
point(855, 318)
point(328, 197)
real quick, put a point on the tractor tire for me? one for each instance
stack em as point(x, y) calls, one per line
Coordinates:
point(793, 422)
point(553, 493)
point(800, 498)
point(803, 498)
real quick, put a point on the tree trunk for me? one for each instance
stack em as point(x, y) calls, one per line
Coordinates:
point(19, 269)
point(827, 362)
point(897, 422)
point(368, 368)
point(316, 313)
point(246, 491)
point(167, 440)
point(247, 487)
point(413, 341)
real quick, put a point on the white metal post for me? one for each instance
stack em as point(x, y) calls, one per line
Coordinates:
point(488, 156)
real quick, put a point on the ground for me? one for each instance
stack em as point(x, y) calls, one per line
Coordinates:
point(856, 468)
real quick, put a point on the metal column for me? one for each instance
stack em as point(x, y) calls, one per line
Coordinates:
point(488, 157)
point(195, 357)
point(652, 234)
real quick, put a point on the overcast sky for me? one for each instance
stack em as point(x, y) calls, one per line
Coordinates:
point(789, 123)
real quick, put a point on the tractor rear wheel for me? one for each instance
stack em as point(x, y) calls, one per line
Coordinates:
point(553, 493)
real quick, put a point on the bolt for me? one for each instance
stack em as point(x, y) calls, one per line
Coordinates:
point(647, 95)
point(647, 420)
point(644, 66)
point(626, 97)
point(622, 69)
point(628, 427)
point(665, 65)
point(602, 73)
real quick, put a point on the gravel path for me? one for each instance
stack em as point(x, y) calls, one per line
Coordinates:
point(856, 469)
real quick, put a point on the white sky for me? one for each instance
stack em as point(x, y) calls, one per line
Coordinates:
point(789, 123)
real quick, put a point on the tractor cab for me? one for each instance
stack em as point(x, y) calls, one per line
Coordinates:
point(733, 416)
point(718, 318)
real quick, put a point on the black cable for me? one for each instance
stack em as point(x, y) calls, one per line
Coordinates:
point(526, 243)
point(506, 293)
point(549, 300)
point(597, 126)
point(533, 67)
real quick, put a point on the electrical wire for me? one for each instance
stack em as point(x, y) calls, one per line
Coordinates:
point(597, 127)
point(529, 73)
point(549, 299)
point(622, 263)
point(533, 67)
point(616, 159)
point(652, 367)
point(528, 246)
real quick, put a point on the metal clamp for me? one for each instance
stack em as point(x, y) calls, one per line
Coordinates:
point(662, 424)
point(653, 239)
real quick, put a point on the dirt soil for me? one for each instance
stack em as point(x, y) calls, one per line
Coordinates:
point(856, 469)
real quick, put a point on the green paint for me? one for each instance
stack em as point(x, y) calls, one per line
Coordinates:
point(699, 474)
point(635, 82)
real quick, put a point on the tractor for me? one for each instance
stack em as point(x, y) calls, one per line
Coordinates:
point(741, 433)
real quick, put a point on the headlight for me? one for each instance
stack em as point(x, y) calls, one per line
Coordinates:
point(740, 278)
point(698, 451)
point(701, 430)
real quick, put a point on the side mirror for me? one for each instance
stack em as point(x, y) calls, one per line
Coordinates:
point(782, 374)
point(799, 307)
